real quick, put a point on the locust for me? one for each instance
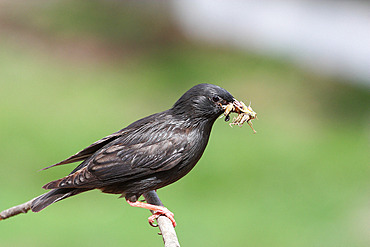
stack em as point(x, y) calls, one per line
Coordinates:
point(245, 114)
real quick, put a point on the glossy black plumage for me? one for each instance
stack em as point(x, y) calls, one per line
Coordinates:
point(148, 154)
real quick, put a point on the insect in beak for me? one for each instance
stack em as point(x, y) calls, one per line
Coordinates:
point(245, 113)
point(228, 109)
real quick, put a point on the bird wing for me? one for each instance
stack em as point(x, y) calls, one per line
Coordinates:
point(120, 162)
point(90, 150)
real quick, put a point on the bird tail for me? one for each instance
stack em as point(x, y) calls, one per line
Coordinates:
point(52, 196)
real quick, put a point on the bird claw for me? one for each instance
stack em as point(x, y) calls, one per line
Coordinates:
point(158, 211)
point(152, 218)
point(162, 211)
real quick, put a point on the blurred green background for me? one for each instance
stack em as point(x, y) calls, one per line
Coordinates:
point(72, 72)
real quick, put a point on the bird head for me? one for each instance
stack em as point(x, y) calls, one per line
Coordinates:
point(205, 102)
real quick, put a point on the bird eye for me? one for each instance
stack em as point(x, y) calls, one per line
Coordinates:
point(216, 98)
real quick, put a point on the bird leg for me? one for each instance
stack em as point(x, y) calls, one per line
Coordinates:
point(158, 211)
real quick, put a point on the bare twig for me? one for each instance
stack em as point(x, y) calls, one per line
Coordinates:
point(22, 208)
point(165, 225)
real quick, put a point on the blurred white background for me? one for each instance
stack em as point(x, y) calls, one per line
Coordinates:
point(329, 37)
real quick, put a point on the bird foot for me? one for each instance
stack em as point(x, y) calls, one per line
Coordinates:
point(162, 211)
point(158, 211)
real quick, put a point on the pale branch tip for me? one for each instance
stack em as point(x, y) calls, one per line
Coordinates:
point(22, 208)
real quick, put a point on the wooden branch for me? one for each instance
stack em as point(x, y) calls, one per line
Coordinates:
point(22, 208)
point(165, 225)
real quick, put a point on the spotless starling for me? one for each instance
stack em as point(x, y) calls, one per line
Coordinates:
point(148, 154)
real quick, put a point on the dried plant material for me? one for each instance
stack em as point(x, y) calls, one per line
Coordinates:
point(245, 114)
point(228, 109)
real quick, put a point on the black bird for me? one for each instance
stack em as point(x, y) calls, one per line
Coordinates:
point(146, 155)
